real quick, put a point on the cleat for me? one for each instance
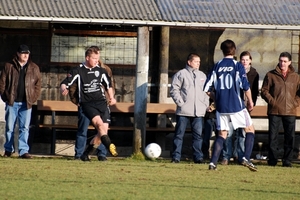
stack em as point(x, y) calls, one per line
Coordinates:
point(212, 166)
point(113, 149)
point(85, 157)
point(102, 158)
point(249, 164)
point(174, 161)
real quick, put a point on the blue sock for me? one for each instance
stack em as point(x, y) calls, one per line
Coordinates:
point(249, 142)
point(218, 146)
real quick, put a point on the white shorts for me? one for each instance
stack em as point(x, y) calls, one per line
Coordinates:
point(239, 119)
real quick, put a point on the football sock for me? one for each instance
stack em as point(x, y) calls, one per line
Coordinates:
point(249, 142)
point(90, 149)
point(218, 146)
point(106, 141)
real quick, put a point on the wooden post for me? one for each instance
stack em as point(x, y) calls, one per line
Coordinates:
point(163, 84)
point(141, 89)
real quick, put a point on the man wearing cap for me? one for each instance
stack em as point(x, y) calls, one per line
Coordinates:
point(20, 86)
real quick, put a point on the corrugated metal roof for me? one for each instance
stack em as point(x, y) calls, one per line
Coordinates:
point(267, 12)
point(203, 13)
point(87, 9)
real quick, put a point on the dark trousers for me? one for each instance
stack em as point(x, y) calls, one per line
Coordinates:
point(289, 124)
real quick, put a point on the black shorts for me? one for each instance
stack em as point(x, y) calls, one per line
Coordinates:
point(93, 109)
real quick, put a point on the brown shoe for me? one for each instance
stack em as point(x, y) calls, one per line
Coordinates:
point(224, 162)
point(7, 154)
point(26, 156)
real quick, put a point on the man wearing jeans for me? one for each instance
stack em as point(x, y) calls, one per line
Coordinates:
point(192, 102)
point(20, 86)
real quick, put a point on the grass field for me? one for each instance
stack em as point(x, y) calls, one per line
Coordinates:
point(64, 178)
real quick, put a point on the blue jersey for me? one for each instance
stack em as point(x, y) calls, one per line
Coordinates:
point(226, 79)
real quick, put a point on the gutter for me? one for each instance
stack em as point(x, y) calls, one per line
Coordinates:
point(150, 23)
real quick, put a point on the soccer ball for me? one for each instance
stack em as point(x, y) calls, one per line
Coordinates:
point(152, 151)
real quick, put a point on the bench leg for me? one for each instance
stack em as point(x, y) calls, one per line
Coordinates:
point(53, 141)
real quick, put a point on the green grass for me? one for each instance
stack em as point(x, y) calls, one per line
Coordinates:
point(64, 178)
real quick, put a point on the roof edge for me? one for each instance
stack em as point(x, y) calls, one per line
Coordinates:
point(150, 23)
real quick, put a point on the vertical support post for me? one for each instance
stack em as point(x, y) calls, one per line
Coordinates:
point(53, 140)
point(141, 89)
point(163, 84)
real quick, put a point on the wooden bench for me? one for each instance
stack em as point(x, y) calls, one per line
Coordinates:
point(66, 108)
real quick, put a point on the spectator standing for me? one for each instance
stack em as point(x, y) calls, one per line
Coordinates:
point(192, 102)
point(280, 90)
point(92, 82)
point(223, 85)
point(20, 86)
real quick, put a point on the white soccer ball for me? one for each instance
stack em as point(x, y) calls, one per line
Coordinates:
point(152, 150)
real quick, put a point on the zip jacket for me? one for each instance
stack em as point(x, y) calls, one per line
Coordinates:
point(281, 93)
point(187, 92)
point(9, 82)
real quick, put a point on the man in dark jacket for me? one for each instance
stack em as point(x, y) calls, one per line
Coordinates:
point(280, 90)
point(20, 86)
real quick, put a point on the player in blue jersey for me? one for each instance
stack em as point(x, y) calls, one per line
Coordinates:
point(223, 85)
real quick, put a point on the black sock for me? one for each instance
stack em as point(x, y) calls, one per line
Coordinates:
point(90, 149)
point(106, 141)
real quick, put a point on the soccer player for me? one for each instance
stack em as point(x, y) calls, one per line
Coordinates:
point(92, 80)
point(223, 84)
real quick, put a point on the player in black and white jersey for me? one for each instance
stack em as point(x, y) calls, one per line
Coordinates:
point(92, 82)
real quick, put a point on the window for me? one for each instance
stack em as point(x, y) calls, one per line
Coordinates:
point(69, 46)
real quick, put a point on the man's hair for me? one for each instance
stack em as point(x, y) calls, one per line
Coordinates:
point(228, 48)
point(91, 50)
point(286, 54)
point(245, 53)
point(191, 56)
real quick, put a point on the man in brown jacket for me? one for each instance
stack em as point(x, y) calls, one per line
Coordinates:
point(280, 90)
point(20, 86)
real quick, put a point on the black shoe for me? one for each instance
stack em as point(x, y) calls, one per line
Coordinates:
point(7, 154)
point(26, 156)
point(85, 157)
point(174, 161)
point(102, 158)
point(199, 161)
point(286, 164)
point(212, 166)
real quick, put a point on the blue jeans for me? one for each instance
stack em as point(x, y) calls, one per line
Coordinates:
point(238, 149)
point(209, 127)
point(196, 125)
point(239, 144)
point(227, 145)
point(81, 137)
point(12, 113)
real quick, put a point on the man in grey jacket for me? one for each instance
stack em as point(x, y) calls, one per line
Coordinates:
point(192, 102)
